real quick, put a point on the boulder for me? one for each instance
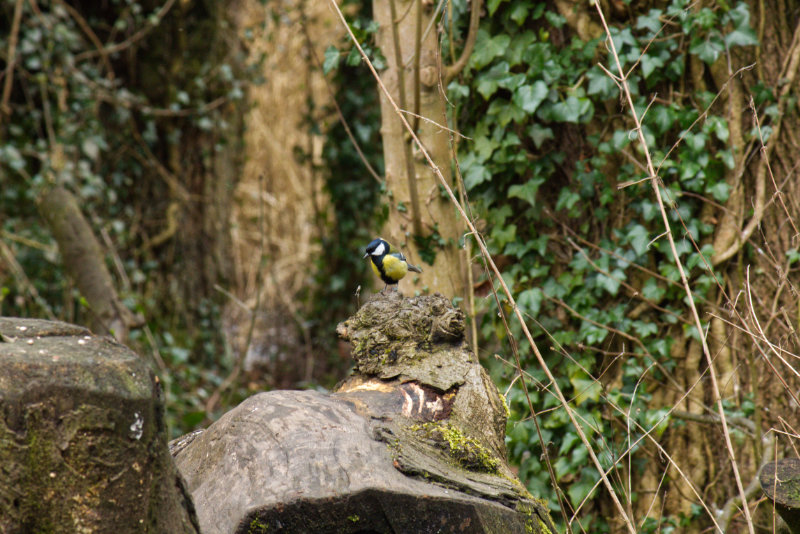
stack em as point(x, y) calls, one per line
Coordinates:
point(83, 443)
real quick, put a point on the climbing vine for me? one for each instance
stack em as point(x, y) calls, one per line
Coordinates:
point(555, 176)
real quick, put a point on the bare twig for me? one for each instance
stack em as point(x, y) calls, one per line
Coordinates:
point(11, 59)
point(474, 21)
point(113, 49)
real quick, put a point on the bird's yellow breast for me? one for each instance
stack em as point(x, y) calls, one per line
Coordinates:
point(394, 267)
point(375, 268)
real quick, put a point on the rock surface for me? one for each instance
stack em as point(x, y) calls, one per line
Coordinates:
point(82, 436)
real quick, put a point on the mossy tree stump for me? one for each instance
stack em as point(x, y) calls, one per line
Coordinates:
point(83, 446)
point(412, 441)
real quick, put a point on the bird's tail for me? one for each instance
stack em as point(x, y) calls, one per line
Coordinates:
point(414, 268)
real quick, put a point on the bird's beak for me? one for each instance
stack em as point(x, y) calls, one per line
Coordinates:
point(365, 255)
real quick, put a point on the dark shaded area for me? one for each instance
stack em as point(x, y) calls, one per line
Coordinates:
point(384, 512)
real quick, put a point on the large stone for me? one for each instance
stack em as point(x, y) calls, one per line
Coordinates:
point(82, 436)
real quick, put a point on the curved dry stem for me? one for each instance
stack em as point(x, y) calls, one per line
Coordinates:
point(453, 70)
point(11, 59)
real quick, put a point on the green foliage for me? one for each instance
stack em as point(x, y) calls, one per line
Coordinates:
point(105, 123)
point(577, 220)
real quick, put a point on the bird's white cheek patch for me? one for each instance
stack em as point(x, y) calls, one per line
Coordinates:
point(379, 250)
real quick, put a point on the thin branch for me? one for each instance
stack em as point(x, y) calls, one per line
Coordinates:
point(113, 49)
point(431, 121)
point(11, 59)
point(453, 70)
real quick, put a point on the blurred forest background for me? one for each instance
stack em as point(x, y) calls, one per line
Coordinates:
point(200, 178)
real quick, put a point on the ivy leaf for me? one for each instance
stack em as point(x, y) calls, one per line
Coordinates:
point(529, 97)
point(720, 191)
point(650, 21)
point(476, 174)
point(645, 328)
point(526, 191)
point(488, 83)
point(662, 117)
point(610, 283)
point(331, 59)
point(530, 300)
point(573, 110)
point(586, 389)
point(502, 235)
point(652, 291)
point(519, 12)
point(353, 57)
point(567, 199)
point(539, 134)
point(650, 63)
point(707, 50)
point(741, 37)
point(487, 48)
point(639, 238)
point(484, 147)
point(601, 83)
point(492, 6)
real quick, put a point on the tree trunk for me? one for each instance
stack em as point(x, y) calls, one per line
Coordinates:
point(421, 220)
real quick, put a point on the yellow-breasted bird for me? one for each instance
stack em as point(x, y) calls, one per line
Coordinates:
point(388, 262)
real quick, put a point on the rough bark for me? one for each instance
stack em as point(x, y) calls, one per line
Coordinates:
point(417, 209)
point(82, 438)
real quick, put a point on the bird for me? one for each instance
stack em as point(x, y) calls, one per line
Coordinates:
point(388, 262)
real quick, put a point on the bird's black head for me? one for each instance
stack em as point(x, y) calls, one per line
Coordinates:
point(377, 247)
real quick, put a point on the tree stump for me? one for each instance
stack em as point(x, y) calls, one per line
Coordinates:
point(412, 441)
point(780, 481)
point(83, 443)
